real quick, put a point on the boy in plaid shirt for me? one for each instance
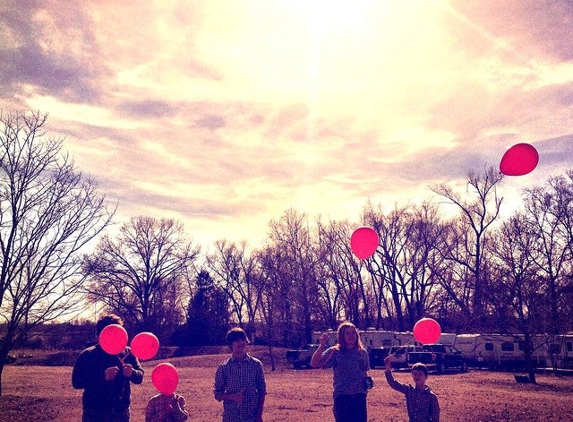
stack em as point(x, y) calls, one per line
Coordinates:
point(421, 402)
point(240, 382)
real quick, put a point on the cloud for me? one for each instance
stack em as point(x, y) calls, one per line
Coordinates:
point(224, 114)
point(526, 29)
point(146, 109)
point(51, 50)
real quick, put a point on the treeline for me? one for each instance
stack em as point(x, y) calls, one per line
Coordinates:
point(452, 257)
point(473, 272)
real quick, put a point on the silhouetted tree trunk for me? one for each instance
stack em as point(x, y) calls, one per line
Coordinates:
point(48, 212)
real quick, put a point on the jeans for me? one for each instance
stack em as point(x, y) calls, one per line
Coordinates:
point(350, 408)
point(105, 415)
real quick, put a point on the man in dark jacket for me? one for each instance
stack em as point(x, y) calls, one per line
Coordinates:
point(106, 379)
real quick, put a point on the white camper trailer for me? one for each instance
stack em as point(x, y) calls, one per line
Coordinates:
point(377, 338)
point(447, 338)
point(560, 351)
point(499, 351)
point(332, 337)
point(371, 338)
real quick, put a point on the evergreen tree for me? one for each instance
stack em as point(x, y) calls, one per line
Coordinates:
point(208, 316)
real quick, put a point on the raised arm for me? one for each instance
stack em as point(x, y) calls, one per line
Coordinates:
point(398, 386)
point(316, 360)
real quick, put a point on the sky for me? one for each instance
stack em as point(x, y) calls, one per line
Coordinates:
point(223, 114)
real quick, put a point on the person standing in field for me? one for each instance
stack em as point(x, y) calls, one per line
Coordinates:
point(240, 382)
point(106, 379)
point(350, 363)
point(166, 408)
point(421, 402)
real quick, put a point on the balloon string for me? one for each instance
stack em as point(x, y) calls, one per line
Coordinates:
point(122, 358)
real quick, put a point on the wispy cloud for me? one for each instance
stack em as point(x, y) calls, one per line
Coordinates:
point(225, 113)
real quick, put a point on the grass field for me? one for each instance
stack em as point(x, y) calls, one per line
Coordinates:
point(44, 393)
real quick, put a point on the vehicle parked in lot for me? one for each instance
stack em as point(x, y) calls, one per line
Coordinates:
point(377, 356)
point(302, 356)
point(441, 357)
point(399, 355)
point(492, 351)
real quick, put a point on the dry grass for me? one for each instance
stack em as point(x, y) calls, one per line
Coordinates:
point(41, 393)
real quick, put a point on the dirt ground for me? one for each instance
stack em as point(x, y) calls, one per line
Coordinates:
point(41, 393)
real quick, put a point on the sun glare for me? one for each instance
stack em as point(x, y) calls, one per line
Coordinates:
point(336, 15)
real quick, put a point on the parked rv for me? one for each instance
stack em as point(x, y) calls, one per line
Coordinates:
point(302, 356)
point(499, 351)
point(560, 351)
point(377, 338)
point(493, 351)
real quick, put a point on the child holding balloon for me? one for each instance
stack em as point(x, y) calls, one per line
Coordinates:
point(349, 360)
point(167, 406)
point(421, 402)
point(105, 372)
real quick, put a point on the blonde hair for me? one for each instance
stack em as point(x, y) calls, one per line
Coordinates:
point(347, 325)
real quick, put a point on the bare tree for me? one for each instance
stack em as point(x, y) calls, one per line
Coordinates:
point(276, 287)
point(48, 212)
point(293, 235)
point(336, 267)
point(402, 266)
point(517, 292)
point(548, 209)
point(138, 274)
point(464, 268)
point(234, 270)
point(565, 211)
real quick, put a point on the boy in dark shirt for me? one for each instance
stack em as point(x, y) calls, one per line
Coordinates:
point(421, 402)
point(106, 379)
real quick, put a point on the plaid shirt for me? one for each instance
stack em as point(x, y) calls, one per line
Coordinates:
point(422, 405)
point(163, 408)
point(234, 375)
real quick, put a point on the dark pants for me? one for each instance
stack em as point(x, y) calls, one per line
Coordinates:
point(97, 415)
point(350, 408)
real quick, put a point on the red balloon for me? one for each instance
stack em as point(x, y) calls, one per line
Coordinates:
point(427, 331)
point(364, 242)
point(144, 345)
point(165, 378)
point(519, 160)
point(113, 339)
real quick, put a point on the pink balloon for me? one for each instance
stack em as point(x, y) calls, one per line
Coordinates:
point(165, 378)
point(113, 339)
point(144, 345)
point(427, 331)
point(364, 242)
point(519, 160)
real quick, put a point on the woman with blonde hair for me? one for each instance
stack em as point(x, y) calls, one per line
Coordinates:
point(349, 360)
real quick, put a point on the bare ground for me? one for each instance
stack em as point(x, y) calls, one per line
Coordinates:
point(42, 393)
